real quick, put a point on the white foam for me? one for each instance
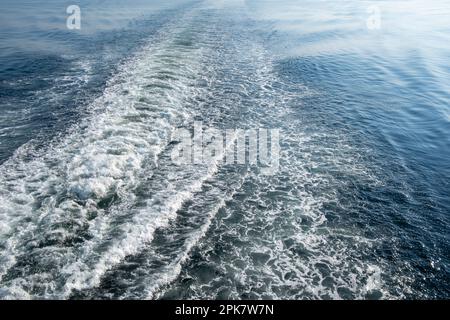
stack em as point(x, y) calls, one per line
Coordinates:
point(296, 215)
point(57, 194)
point(108, 153)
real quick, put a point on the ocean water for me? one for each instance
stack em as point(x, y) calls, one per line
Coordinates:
point(92, 206)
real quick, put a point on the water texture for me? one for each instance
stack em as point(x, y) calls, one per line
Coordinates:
point(92, 206)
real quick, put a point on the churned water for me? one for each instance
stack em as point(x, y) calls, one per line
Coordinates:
point(92, 204)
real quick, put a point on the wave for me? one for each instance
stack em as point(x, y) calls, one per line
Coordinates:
point(103, 212)
point(58, 207)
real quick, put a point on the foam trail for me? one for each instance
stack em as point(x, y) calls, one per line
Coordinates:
point(157, 213)
point(55, 206)
point(96, 203)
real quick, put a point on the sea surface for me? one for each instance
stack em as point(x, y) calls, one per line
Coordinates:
point(92, 205)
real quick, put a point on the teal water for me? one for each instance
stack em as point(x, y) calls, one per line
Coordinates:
point(92, 205)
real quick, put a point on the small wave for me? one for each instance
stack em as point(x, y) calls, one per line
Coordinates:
point(60, 204)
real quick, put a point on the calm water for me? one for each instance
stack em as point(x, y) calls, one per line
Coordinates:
point(92, 206)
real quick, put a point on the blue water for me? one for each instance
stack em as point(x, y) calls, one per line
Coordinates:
point(91, 205)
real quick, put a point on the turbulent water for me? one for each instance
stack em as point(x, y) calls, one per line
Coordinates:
point(92, 204)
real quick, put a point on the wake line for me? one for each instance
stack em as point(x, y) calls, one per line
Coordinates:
point(160, 210)
point(54, 203)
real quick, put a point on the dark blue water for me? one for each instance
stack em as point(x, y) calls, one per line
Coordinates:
point(93, 207)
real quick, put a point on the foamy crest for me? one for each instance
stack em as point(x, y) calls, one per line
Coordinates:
point(56, 206)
